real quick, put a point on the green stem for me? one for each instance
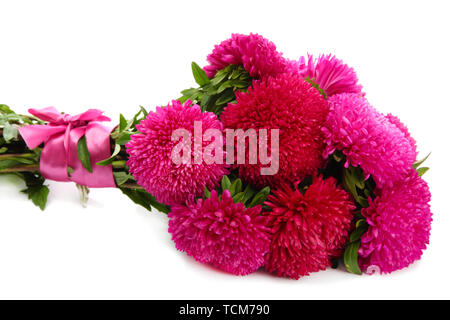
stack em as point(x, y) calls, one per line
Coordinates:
point(23, 168)
point(35, 167)
point(131, 186)
point(17, 155)
point(119, 164)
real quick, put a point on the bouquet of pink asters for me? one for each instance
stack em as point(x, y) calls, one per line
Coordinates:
point(269, 163)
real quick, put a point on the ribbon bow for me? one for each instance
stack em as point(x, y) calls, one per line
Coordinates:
point(60, 137)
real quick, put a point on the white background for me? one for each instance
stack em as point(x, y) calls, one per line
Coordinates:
point(117, 55)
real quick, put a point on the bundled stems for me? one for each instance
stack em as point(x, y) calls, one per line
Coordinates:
point(119, 164)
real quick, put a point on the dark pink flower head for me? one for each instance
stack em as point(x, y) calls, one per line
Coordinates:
point(309, 229)
point(258, 55)
point(330, 74)
point(222, 233)
point(399, 225)
point(368, 139)
point(288, 103)
point(150, 154)
point(393, 119)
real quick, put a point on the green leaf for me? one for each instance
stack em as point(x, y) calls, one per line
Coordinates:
point(417, 164)
point(361, 227)
point(144, 199)
point(422, 171)
point(224, 86)
point(238, 197)
point(122, 123)
point(363, 202)
point(214, 94)
point(249, 192)
point(199, 75)
point(10, 132)
point(241, 84)
point(38, 195)
point(121, 177)
point(36, 190)
point(3, 150)
point(110, 159)
point(5, 109)
point(358, 177)
point(130, 123)
point(124, 138)
point(349, 184)
point(315, 85)
point(226, 97)
point(351, 258)
point(220, 76)
point(182, 99)
point(207, 193)
point(236, 187)
point(354, 178)
point(206, 100)
point(260, 197)
point(236, 74)
point(226, 183)
point(83, 154)
point(190, 93)
point(144, 111)
point(351, 251)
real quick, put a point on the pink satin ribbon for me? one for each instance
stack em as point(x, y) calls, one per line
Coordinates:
point(60, 137)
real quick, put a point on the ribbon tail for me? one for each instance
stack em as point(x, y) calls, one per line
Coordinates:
point(34, 135)
point(50, 114)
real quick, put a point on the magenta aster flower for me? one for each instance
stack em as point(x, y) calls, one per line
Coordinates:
point(258, 55)
point(150, 153)
point(368, 139)
point(297, 66)
point(222, 233)
point(393, 119)
point(399, 225)
point(288, 103)
point(309, 229)
point(329, 73)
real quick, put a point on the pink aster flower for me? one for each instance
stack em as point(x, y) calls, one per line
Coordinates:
point(393, 119)
point(329, 73)
point(368, 139)
point(150, 154)
point(297, 66)
point(399, 225)
point(309, 229)
point(222, 233)
point(288, 103)
point(257, 54)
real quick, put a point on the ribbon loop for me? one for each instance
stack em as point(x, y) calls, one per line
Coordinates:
point(60, 137)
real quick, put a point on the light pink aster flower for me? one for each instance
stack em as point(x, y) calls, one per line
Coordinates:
point(399, 225)
point(329, 73)
point(150, 153)
point(222, 233)
point(368, 139)
point(258, 55)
